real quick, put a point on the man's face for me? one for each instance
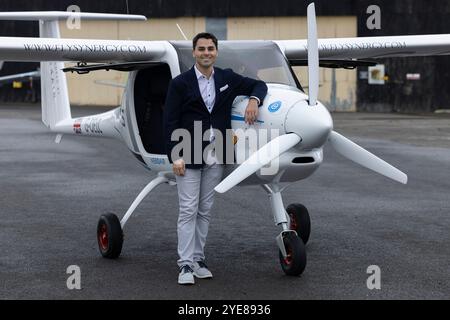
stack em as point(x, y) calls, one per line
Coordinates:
point(205, 52)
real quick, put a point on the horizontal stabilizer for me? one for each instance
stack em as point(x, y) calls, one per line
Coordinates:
point(61, 15)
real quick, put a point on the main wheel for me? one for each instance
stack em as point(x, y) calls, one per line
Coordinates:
point(295, 262)
point(109, 236)
point(300, 221)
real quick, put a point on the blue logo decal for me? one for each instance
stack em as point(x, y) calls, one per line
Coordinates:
point(274, 107)
point(236, 117)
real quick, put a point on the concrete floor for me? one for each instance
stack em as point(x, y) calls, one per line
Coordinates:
point(52, 196)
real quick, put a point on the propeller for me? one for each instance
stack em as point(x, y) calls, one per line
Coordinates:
point(357, 154)
point(313, 56)
point(285, 142)
point(259, 159)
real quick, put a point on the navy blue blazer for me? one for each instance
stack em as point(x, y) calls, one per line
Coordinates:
point(184, 105)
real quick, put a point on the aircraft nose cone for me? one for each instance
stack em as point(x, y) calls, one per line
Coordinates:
point(312, 124)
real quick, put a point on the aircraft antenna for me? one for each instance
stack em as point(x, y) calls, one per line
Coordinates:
point(182, 33)
point(128, 7)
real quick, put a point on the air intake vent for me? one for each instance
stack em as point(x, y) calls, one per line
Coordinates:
point(303, 160)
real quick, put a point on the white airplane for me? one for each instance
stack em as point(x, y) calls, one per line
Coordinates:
point(304, 123)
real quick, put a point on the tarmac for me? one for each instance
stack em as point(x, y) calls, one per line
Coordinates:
point(52, 196)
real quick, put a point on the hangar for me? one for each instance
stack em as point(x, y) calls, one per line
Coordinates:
point(402, 88)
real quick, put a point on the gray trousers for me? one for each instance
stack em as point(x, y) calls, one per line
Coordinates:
point(196, 197)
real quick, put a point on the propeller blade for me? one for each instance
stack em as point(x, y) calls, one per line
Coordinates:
point(259, 159)
point(352, 151)
point(313, 56)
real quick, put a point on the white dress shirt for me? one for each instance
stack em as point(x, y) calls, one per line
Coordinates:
point(208, 92)
point(207, 88)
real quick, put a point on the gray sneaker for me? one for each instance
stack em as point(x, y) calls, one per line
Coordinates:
point(186, 275)
point(201, 270)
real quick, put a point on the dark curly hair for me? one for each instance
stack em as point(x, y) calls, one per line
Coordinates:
point(204, 35)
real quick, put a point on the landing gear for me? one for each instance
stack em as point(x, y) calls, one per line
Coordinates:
point(294, 263)
point(109, 236)
point(109, 228)
point(296, 228)
point(299, 220)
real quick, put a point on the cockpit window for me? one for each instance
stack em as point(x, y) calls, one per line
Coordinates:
point(261, 60)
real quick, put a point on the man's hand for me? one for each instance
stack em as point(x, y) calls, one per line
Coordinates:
point(179, 167)
point(251, 113)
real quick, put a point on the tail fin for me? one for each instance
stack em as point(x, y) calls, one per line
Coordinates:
point(54, 92)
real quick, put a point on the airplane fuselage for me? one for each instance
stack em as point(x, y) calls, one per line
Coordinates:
point(285, 96)
point(297, 164)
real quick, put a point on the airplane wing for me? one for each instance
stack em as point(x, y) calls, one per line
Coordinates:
point(14, 77)
point(369, 47)
point(50, 46)
point(85, 50)
point(57, 49)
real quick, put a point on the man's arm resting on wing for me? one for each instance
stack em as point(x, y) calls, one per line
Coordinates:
point(257, 91)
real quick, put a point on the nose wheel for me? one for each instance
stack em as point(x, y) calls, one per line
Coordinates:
point(109, 236)
point(299, 220)
point(296, 228)
point(294, 263)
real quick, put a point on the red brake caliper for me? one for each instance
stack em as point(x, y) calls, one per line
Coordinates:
point(288, 259)
point(293, 222)
point(103, 237)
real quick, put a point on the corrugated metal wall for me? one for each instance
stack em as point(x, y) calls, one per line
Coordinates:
point(432, 91)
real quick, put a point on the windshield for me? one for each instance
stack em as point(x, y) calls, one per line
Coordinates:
point(261, 60)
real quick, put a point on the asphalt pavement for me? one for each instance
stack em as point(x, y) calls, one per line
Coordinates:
point(52, 196)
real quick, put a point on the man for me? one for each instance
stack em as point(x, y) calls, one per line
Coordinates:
point(202, 98)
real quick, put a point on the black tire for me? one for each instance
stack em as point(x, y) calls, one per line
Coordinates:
point(109, 236)
point(300, 221)
point(295, 262)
